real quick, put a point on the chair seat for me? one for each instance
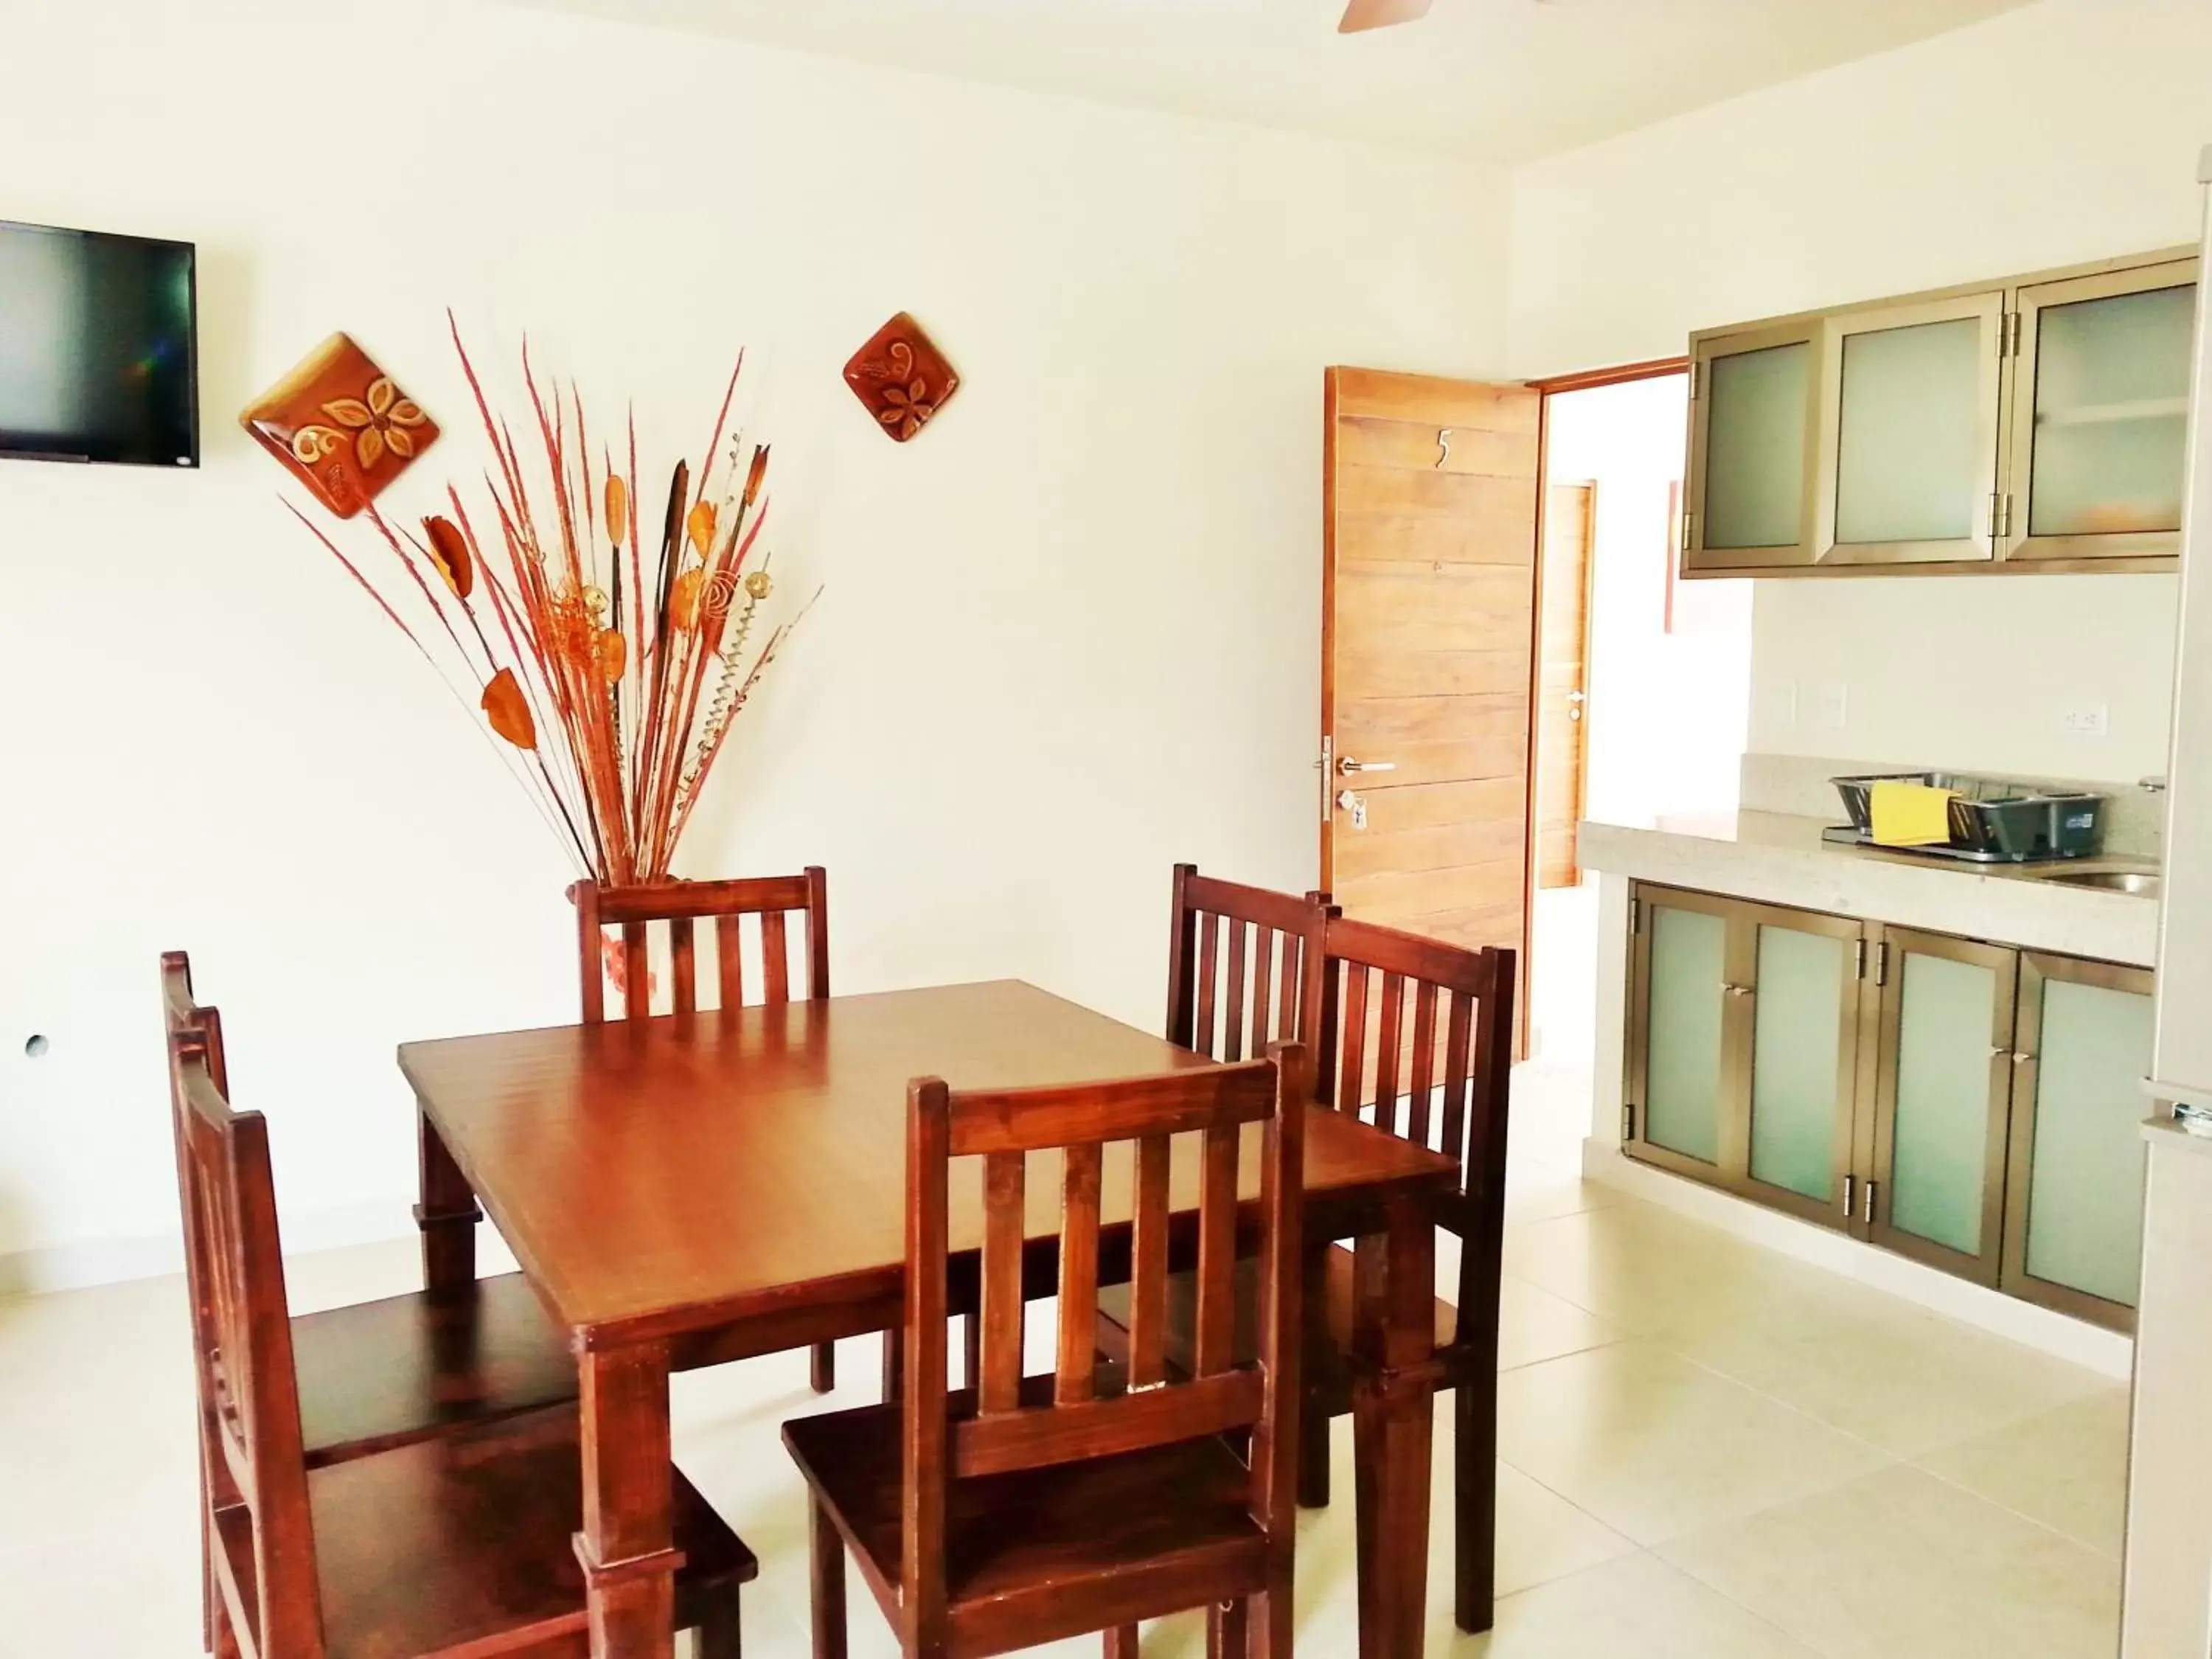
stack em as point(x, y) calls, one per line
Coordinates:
point(425, 1549)
point(1015, 1545)
point(383, 1374)
point(1334, 1387)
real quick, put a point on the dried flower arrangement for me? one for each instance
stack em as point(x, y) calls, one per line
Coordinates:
point(610, 674)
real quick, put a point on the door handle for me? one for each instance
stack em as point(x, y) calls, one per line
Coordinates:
point(1577, 696)
point(1349, 767)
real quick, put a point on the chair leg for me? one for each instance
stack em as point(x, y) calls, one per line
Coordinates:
point(826, 1584)
point(225, 1643)
point(1121, 1642)
point(1313, 1451)
point(719, 1629)
point(823, 1367)
point(1226, 1636)
point(1474, 1503)
point(894, 1364)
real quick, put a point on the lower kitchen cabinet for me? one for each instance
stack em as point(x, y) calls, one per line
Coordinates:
point(1970, 1105)
point(2074, 1188)
point(1942, 1094)
point(1742, 1047)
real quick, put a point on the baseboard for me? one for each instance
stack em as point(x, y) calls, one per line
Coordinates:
point(2108, 1353)
point(85, 1262)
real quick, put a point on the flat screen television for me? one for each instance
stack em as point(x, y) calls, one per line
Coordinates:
point(98, 348)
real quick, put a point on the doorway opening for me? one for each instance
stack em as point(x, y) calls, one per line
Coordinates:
point(1643, 688)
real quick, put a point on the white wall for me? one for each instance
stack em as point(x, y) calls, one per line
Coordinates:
point(2065, 130)
point(1069, 633)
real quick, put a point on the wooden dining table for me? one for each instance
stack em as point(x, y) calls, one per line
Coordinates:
point(697, 1189)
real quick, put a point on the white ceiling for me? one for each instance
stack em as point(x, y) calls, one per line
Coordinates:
point(1499, 80)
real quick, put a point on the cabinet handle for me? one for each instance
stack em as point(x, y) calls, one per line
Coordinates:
point(1849, 1183)
point(1737, 990)
point(2019, 1058)
point(1869, 1202)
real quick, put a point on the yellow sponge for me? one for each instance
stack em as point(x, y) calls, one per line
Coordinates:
point(1911, 814)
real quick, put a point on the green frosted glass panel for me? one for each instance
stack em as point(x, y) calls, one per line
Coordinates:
point(1796, 1037)
point(1755, 446)
point(2086, 1183)
point(2112, 414)
point(1946, 1012)
point(1682, 1073)
point(1911, 464)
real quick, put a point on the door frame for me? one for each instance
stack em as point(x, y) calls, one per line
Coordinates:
point(1581, 778)
point(1892, 944)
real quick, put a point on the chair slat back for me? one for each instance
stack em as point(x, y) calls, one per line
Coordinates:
point(186, 1022)
point(1010, 1422)
point(1237, 960)
point(1416, 1037)
point(615, 928)
point(245, 1348)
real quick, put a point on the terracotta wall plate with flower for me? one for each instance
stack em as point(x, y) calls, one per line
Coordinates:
point(341, 425)
point(901, 377)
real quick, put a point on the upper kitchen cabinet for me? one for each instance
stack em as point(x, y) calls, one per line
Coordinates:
point(1912, 398)
point(2037, 424)
point(1754, 416)
point(2100, 400)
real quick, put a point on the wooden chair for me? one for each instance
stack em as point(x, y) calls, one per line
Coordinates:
point(375, 1374)
point(1030, 1509)
point(456, 1546)
point(680, 907)
point(1434, 1040)
point(1279, 929)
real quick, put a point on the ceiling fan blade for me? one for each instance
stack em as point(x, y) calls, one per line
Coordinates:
point(1379, 13)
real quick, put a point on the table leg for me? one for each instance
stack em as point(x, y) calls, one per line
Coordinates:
point(1394, 1336)
point(446, 1216)
point(627, 1546)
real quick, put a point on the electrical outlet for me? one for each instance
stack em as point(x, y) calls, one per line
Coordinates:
point(2086, 720)
point(1833, 702)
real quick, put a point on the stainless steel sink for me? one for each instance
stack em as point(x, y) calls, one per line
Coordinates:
point(2142, 882)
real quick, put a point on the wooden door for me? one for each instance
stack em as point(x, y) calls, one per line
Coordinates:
point(1428, 631)
point(1563, 680)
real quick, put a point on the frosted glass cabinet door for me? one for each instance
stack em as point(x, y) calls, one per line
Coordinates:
point(2101, 414)
point(1943, 1089)
point(1685, 1076)
point(1752, 419)
point(1910, 410)
point(1802, 1049)
point(2074, 1196)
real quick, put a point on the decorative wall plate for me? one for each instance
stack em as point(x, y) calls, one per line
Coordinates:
point(341, 426)
point(900, 378)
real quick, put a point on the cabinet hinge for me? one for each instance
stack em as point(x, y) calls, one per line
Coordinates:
point(1881, 963)
point(1851, 1184)
point(1858, 971)
point(1635, 914)
point(2000, 515)
point(1628, 1121)
point(1689, 531)
point(1867, 1215)
point(1697, 379)
point(2009, 336)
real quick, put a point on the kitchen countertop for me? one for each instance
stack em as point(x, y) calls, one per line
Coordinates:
point(1781, 859)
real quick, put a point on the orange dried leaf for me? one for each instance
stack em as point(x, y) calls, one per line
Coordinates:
point(684, 598)
point(617, 508)
point(757, 473)
point(508, 710)
point(449, 551)
point(614, 653)
point(702, 526)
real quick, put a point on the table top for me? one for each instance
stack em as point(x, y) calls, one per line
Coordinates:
point(681, 1174)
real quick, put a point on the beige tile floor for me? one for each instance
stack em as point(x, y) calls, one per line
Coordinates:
point(1708, 1452)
